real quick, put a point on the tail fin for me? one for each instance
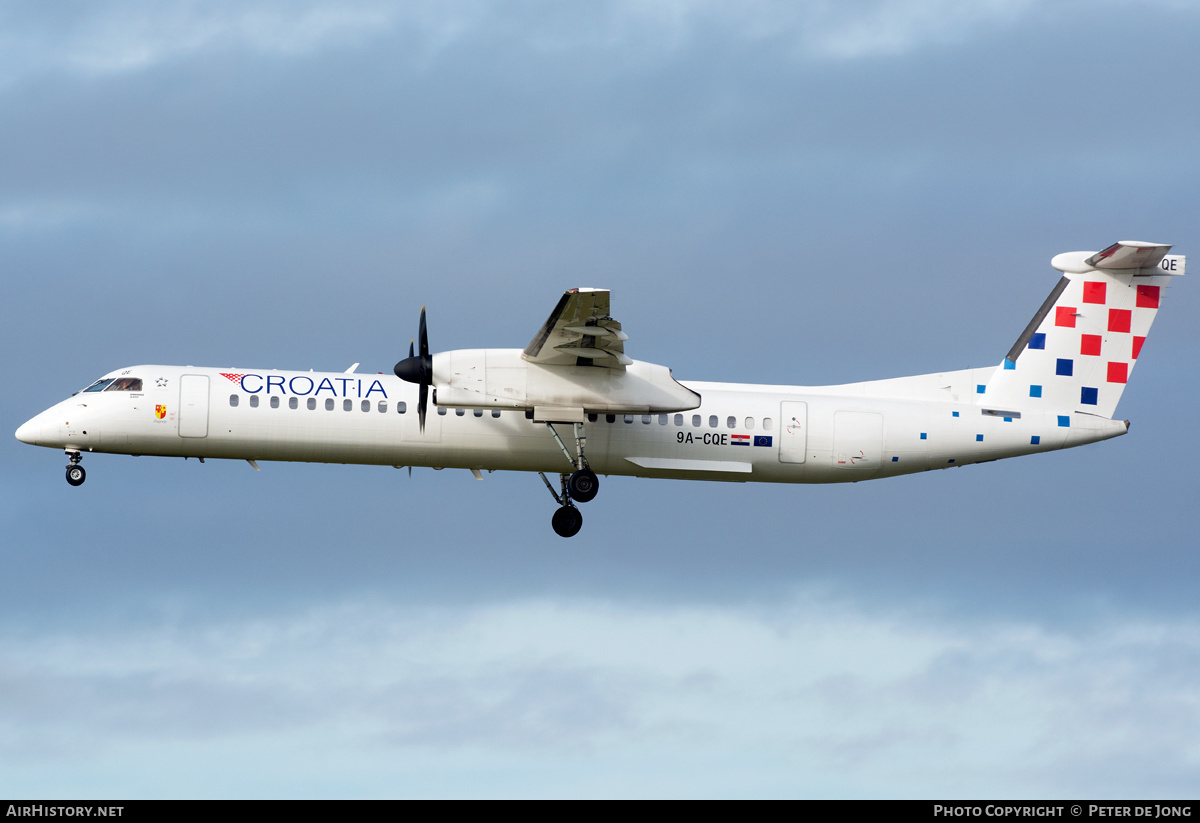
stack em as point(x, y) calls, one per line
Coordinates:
point(1078, 351)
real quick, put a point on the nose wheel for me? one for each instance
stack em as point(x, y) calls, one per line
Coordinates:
point(75, 473)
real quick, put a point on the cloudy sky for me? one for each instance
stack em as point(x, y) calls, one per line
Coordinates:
point(804, 193)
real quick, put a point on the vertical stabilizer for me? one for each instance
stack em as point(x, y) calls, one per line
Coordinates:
point(1078, 351)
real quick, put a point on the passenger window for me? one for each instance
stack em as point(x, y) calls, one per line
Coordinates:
point(401, 407)
point(629, 418)
point(662, 420)
point(254, 401)
point(460, 412)
point(442, 410)
point(275, 402)
point(366, 405)
point(312, 403)
point(478, 412)
point(382, 405)
point(646, 419)
point(592, 418)
point(679, 420)
point(731, 422)
point(766, 424)
point(712, 421)
point(750, 422)
point(293, 402)
point(529, 414)
point(695, 421)
point(233, 400)
point(495, 412)
point(347, 404)
point(328, 404)
point(610, 418)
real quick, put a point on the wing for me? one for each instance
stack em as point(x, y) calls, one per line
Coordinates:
point(579, 332)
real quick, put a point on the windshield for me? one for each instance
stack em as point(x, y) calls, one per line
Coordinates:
point(99, 385)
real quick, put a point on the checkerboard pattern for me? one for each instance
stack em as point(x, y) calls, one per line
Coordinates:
point(1085, 348)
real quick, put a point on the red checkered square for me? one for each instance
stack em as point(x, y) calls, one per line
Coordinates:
point(1065, 316)
point(1147, 297)
point(1118, 319)
point(1118, 372)
point(1090, 344)
point(1094, 293)
point(1137, 346)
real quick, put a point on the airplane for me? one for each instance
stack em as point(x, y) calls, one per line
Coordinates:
point(573, 403)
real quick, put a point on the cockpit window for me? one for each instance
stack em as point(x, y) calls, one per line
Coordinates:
point(99, 385)
point(125, 384)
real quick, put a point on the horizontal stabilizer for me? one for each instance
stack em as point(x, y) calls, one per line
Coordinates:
point(1129, 254)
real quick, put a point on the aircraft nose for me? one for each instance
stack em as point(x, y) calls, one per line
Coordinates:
point(30, 431)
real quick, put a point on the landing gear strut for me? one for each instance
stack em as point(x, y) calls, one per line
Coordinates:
point(75, 473)
point(581, 485)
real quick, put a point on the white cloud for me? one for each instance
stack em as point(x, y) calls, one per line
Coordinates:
point(820, 697)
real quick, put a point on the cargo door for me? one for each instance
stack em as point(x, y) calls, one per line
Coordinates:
point(857, 440)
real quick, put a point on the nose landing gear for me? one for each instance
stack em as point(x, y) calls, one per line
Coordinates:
point(75, 473)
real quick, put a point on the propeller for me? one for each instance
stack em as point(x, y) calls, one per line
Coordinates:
point(418, 368)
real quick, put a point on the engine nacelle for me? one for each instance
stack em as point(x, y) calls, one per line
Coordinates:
point(503, 379)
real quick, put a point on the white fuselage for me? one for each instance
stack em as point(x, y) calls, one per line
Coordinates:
point(740, 432)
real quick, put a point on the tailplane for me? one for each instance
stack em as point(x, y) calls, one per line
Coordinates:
point(1078, 351)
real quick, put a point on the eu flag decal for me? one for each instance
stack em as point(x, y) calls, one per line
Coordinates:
point(762, 440)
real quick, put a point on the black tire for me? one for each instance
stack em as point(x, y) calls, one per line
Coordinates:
point(567, 521)
point(76, 475)
point(583, 485)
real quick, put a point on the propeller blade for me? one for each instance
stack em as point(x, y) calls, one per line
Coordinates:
point(423, 335)
point(418, 368)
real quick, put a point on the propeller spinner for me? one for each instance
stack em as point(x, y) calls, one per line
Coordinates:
point(418, 368)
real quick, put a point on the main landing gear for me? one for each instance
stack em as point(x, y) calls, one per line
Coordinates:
point(75, 473)
point(580, 485)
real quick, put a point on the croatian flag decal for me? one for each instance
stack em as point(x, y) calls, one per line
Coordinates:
point(739, 440)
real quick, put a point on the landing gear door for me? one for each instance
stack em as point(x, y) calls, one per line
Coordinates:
point(193, 405)
point(793, 432)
